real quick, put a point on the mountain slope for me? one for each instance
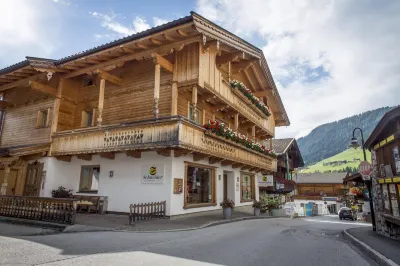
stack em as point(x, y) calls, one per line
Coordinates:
point(329, 139)
point(346, 161)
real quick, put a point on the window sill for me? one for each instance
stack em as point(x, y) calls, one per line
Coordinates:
point(87, 192)
point(244, 201)
point(199, 205)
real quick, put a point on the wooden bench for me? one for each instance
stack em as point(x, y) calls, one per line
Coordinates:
point(89, 203)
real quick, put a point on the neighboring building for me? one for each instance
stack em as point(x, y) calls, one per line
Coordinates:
point(289, 158)
point(384, 143)
point(125, 120)
point(324, 189)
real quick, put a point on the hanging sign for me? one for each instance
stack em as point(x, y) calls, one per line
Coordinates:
point(178, 185)
point(265, 180)
point(153, 174)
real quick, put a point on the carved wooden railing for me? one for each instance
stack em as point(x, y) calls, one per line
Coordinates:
point(174, 133)
point(147, 211)
point(37, 208)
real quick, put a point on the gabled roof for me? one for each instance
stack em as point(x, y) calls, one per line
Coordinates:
point(280, 146)
point(390, 116)
point(320, 178)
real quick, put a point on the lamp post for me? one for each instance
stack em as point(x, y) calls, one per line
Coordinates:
point(355, 145)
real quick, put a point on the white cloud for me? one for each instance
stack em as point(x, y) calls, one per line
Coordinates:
point(356, 44)
point(24, 30)
point(159, 21)
point(109, 21)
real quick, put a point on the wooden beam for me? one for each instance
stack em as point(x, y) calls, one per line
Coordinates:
point(164, 152)
point(181, 152)
point(86, 157)
point(158, 59)
point(65, 158)
point(10, 77)
point(134, 153)
point(226, 162)
point(129, 57)
point(237, 165)
point(253, 132)
point(4, 104)
point(236, 123)
point(168, 37)
point(260, 94)
point(142, 46)
point(157, 77)
point(213, 160)
point(101, 102)
point(252, 85)
point(43, 88)
point(156, 42)
point(182, 33)
point(109, 77)
point(246, 167)
point(226, 58)
point(107, 155)
point(253, 169)
point(258, 78)
point(71, 67)
point(199, 157)
point(246, 124)
point(127, 50)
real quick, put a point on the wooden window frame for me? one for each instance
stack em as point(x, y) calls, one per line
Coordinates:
point(253, 187)
point(84, 118)
point(214, 186)
point(91, 173)
point(39, 118)
point(200, 117)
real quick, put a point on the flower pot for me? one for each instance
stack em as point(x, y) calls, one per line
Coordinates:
point(227, 213)
point(257, 211)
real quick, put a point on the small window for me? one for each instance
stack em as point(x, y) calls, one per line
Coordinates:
point(43, 118)
point(247, 187)
point(198, 114)
point(307, 192)
point(89, 181)
point(87, 81)
point(1, 96)
point(88, 118)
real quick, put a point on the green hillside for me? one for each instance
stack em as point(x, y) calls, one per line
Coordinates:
point(345, 161)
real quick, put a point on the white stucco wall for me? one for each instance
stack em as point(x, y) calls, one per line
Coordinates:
point(126, 187)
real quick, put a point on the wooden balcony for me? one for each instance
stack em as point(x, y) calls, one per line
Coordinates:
point(174, 133)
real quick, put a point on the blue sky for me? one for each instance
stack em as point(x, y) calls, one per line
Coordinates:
point(330, 58)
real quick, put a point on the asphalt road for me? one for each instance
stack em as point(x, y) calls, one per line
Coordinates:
point(314, 241)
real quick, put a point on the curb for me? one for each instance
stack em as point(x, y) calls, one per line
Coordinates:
point(370, 252)
point(210, 224)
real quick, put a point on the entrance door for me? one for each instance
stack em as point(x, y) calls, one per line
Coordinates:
point(11, 181)
point(225, 186)
point(33, 179)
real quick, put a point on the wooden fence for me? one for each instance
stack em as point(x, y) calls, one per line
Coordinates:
point(37, 208)
point(147, 211)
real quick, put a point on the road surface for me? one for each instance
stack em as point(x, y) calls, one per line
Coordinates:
point(313, 241)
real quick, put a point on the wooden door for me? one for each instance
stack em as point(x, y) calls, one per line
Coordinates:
point(33, 179)
point(11, 181)
point(225, 186)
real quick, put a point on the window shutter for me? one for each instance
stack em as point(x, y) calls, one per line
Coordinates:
point(48, 117)
point(94, 118)
point(84, 119)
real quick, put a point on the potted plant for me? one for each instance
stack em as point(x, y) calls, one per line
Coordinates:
point(61, 192)
point(257, 205)
point(227, 206)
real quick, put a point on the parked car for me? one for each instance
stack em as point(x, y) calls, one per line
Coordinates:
point(347, 213)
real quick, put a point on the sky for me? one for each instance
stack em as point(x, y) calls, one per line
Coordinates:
point(330, 59)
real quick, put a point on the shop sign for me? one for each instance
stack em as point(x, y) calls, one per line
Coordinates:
point(280, 186)
point(388, 180)
point(153, 174)
point(381, 181)
point(265, 180)
point(178, 185)
point(396, 179)
point(329, 198)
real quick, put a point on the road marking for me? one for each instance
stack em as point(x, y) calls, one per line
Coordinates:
point(335, 222)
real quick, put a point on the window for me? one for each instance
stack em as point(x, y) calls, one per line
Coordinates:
point(88, 118)
point(200, 186)
point(89, 181)
point(87, 81)
point(247, 187)
point(307, 192)
point(198, 114)
point(43, 118)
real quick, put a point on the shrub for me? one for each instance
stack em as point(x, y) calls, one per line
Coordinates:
point(61, 192)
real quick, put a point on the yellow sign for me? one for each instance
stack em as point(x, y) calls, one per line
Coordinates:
point(388, 180)
point(383, 142)
point(381, 181)
point(396, 179)
point(264, 178)
point(376, 146)
point(389, 139)
point(153, 170)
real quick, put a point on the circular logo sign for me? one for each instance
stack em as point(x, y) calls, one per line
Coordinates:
point(264, 178)
point(153, 170)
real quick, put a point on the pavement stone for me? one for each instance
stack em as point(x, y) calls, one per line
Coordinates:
point(383, 250)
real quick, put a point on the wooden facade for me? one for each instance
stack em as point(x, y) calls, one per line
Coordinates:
point(150, 91)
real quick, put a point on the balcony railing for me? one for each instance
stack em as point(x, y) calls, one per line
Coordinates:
point(174, 132)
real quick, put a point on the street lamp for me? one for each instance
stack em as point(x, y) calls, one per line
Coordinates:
point(354, 144)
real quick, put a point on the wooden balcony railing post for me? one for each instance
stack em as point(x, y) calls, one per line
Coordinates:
point(101, 101)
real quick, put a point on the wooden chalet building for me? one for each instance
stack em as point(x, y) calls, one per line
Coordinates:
point(130, 120)
point(289, 158)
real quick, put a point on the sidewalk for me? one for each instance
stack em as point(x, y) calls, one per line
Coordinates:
point(121, 222)
point(388, 249)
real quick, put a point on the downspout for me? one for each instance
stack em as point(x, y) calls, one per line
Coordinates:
point(2, 115)
point(287, 166)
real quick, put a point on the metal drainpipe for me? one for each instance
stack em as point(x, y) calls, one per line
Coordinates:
point(287, 165)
